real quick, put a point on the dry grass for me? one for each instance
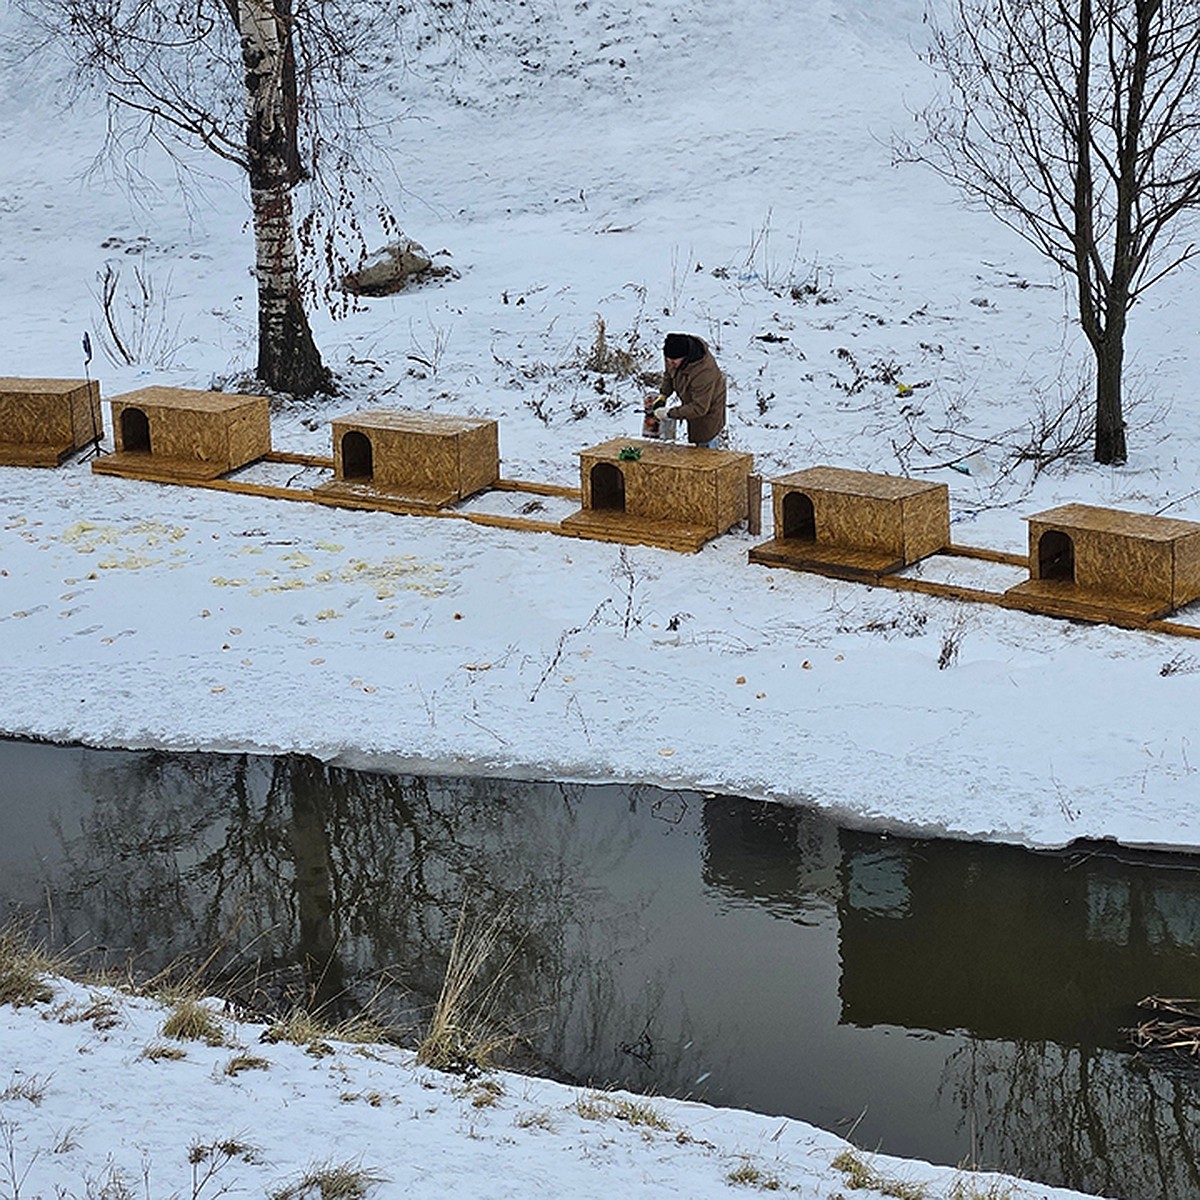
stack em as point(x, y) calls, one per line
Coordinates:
point(227, 1148)
point(973, 1189)
point(340, 1181)
point(24, 969)
point(541, 1118)
point(860, 1174)
point(303, 1028)
point(66, 1141)
point(598, 1106)
point(158, 1051)
point(606, 359)
point(100, 1011)
point(192, 1021)
point(748, 1175)
point(28, 1087)
point(640, 1112)
point(485, 1093)
point(246, 1062)
point(461, 1035)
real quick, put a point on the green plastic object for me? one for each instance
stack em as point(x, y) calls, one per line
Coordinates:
point(629, 454)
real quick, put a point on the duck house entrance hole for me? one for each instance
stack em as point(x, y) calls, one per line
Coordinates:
point(799, 520)
point(1056, 556)
point(357, 456)
point(608, 487)
point(135, 431)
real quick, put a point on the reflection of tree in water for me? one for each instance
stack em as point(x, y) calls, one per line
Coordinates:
point(315, 883)
point(1036, 960)
point(1092, 1119)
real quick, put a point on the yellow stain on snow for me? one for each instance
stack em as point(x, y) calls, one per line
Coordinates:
point(405, 571)
point(86, 537)
point(280, 585)
point(130, 562)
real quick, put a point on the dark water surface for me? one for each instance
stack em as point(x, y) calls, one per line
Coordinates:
point(943, 1000)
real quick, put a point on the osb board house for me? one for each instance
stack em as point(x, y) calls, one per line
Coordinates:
point(1090, 561)
point(44, 421)
point(854, 524)
point(426, 459)
point(660, 494)
point(184, 434)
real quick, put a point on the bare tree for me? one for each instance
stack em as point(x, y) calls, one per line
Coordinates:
point(1077, 123)
point(273, 86)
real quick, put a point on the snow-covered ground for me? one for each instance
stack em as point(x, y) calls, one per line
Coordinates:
point(721, 169)
point(97, 1101)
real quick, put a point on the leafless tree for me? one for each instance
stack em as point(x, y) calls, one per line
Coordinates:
point(1077, 123)
point(275, 87)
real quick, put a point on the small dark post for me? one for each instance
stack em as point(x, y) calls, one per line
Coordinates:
point(754, 504)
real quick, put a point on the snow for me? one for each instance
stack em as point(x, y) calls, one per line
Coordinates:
point(662, 168)
point(90, 1105)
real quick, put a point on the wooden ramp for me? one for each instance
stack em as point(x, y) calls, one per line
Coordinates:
point(387, 499)
point(613, 525)
point(157, 468)
point(861, 566)
point(45, 454)
point(1059, 598)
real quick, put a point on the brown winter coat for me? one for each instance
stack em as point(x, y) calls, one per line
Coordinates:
point(700, 387)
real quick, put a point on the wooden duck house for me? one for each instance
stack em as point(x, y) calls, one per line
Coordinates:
point(45, 421)
point(412, 459)
point(1103, 564)
point(178, 435)
point(854, 524)
point(659, 494)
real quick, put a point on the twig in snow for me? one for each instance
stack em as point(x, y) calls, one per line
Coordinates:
point(574, 700)
point(480, 725)
point(563, 638)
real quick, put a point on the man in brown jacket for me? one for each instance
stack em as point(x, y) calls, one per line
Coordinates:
point(693, 376)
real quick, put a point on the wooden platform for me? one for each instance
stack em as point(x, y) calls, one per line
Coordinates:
point(605, 525)
point(157, 468)
point(387, 499)
point(1045, 598)
point(21, 454)
point(1057, 598)
point(44, 421)
point(862, 566)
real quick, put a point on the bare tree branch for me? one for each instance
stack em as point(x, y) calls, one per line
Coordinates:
point(1077, 124)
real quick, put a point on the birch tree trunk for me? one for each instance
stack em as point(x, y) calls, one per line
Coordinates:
point(288, 358)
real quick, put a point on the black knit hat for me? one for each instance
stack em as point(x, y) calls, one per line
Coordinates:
point(677, 345)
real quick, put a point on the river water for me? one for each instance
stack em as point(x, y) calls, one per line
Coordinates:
point(947, 1001)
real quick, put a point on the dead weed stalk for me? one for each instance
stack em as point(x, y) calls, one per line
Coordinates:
point(461, 1035)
